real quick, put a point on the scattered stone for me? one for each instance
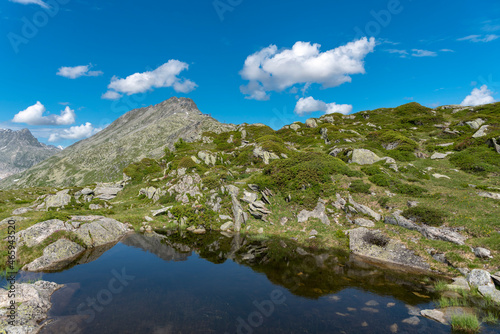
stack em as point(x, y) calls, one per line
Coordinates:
point(318, 212)
point(364, 157)
point(412, 204)
point(266, 156)
point(434, 315)
point(208, 158)
point(391, 304)
point(107, 191)
point(440, 176)
point(411, 321)
point(260, 230)
point(87, 191)
point(479, 277)
point(56, 256)
point(482, 253)
point(489, 194)
point(161, 211)
point(438, 155)
point(372, 303)
point(200, 230)
point(313, 233)
point(95, 207)
point(249, 197)
point(225, 217)
point(394, 328)
point(295, 126)
point(283, 221)
point(59, 200)
point(364, 324)
point(364, 222)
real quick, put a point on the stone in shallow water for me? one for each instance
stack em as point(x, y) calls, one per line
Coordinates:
point(371, 303)
point(60, 251)
point(369, 309)
point(394, 328)
point(434, 315)
point(459, 283)
point(411, 321)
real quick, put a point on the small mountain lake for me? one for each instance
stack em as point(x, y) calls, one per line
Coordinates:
point(216, 283)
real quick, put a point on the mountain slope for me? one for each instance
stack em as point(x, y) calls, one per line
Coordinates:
point(19, 150)
point(140, 133)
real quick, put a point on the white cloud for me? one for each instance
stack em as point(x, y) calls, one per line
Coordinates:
point(309, 104)
point(75, 132)
point(77, 71)
point(34, 115)
point(401, 52)
point(272, 70)
point(479, 38)
point(34, 2)
point(423, 53)
point(479, 96)
point(111, 95)
point(164, 76)
point(446, 50)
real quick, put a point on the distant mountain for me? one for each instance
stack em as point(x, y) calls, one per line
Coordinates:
point(140, 133)
point(20, 150)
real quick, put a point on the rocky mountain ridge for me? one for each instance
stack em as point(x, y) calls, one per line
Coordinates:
point(20, 150)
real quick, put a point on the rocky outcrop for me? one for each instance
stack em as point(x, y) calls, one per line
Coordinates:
point(186, 187)
point(93, 231)
point(318, 212)
point(475, 124)
point(311, 123)
point(438, 155)
point(376, 246)
point(481, 132)
point(59, 200)
point(56, 256)
point(240, 216)
point(364, 222)
point(295, 126)
point(363, 157)
point(430, 232)
point(208, 158)
point(266, 156)
point(479, 277)
point(108, 191)
point(152, 193)
point(495, 143)
point(489, 194)
point(33, 304)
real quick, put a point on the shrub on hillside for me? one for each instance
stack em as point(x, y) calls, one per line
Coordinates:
point(138, 170)
point(481, 159)
point(358, 186)
point(426, 215)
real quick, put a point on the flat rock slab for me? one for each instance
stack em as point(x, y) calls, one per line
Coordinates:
point(489, 194)
point(490, 291)
point(56, 256)
point(434, 315)
point(373, 244)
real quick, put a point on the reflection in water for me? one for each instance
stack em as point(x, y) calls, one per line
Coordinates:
point(220, 283)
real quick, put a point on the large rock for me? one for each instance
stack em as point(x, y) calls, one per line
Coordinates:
point(295, 126)
point(364, 222)
point(107, 191)
point(152, 193)
point(311, 123)
point(362, 156)
point(481, 132)
point(475, 124)
point(438, 155)
point(101, 232)
point(56, 256)
point(318, 212)
point(479, 277)
point(33, 304)
point(434, 315)
point(37, 233)
point(490, 291)
point(59, 200)
point(376, 246)
point(495, 143)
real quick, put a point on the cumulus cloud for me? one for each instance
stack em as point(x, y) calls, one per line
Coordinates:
point(309, 104)
point(78, 71)
point(423, 53)
point(75, 132)
point(479, 38)
point(167, 75)
point(479, 96)
point(272, 70)
point(34, 2)
point(34, 115)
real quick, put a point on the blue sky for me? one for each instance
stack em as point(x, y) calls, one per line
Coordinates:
point(272, 62)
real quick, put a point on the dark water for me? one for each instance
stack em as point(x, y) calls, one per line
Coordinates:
point(220, 284)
